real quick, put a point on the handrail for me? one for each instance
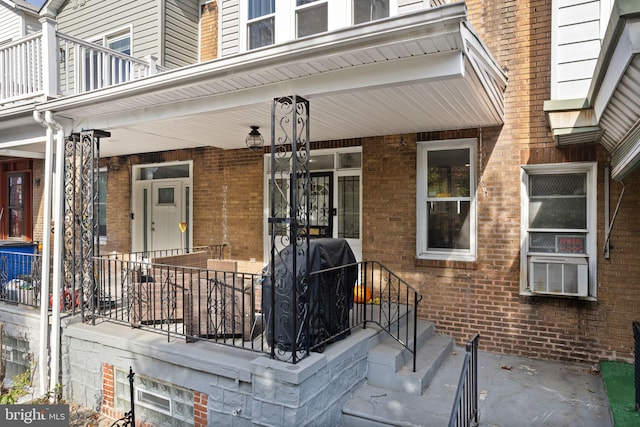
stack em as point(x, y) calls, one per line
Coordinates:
point(20, 41)
point(465, 404)
point(100, 48)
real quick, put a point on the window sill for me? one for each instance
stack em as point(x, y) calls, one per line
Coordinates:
point(530, 294)
point(446, 263)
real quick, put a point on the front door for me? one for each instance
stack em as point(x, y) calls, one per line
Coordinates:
point(335, 196)
point(159, 207)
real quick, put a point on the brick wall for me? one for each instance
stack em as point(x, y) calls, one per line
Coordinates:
point(209, 31)
point(461, 297)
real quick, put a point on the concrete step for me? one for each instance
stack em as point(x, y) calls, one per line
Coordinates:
point(383, 370)
point(387, 355)
point(377, 406)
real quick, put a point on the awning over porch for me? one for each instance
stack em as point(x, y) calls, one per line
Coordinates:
point(416, 72)
point(611, 112)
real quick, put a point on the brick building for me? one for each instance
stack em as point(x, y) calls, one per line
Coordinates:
point(485, 152)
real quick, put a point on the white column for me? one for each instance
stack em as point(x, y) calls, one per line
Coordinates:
point(58, 247)
point(46, 252)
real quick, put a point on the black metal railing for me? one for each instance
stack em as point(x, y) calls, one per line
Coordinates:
point(20, 277)
point(129, 418)
point(195, 303)
point(465, 404)
point(227, 307)
point(383, 298)
point(212, 252)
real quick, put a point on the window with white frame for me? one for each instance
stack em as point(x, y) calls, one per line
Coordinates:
point(446, 205)
point(369, 10)
point(311, 17)
point(261, 23)
point(559, 229)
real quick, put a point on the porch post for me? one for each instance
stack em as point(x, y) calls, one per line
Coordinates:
point(289, 229)
point(49, 57)
point(58, 236)
point(46, 251)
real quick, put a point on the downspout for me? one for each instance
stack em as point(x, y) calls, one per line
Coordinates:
point(58, 236)
point(46, 252)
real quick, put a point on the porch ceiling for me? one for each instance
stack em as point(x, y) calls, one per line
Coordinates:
point(416, 72)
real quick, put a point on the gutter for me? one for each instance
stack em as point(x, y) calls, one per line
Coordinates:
point(46, 250)
point(53, 202)
point(58, 255)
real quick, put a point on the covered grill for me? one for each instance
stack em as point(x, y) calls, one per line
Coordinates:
point(322, 308)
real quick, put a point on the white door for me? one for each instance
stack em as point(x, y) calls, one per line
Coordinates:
point(167, 209)
point(159, 207)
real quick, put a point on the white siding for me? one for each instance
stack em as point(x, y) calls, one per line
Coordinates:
point(10, 24)
point(93, 19)
point(181, 33)
point(575, 47)
point(230, 27)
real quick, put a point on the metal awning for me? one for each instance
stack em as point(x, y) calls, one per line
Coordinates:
point(410, 73)
point(611, 112)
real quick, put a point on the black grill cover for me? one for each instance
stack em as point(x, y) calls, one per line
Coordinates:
point(330, 295)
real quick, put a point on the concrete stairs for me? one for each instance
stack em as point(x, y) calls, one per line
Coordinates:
point(392, 387)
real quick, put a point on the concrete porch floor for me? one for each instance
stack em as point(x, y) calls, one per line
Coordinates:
point(513, 391)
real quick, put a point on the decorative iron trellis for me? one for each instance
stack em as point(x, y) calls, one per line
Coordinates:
point(81, 213)
point(289, 229)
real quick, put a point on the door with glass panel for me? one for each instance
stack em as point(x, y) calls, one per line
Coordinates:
point(334, 200)
point(160, 204)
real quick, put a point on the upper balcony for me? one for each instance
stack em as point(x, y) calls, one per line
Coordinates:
point(50, 64)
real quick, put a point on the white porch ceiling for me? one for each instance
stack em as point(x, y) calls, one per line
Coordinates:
point(417, 72)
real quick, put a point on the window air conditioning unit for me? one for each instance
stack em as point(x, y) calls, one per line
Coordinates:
point(559, 276)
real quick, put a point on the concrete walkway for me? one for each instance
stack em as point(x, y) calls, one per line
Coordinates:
point(513, 391)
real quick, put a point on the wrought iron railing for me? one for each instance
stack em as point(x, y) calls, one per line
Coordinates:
point(195, 303)
point(393, 304)
point(212, 252)
point(20, 277)
point(465, 404)
point(238, 309)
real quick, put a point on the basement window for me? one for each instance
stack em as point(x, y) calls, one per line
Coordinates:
point(157, 402)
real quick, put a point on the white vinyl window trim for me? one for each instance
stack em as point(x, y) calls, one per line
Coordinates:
point(339, 15)
point(422, 226)
point(591, 250)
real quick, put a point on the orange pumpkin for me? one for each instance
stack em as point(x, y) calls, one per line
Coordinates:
point(361, 294)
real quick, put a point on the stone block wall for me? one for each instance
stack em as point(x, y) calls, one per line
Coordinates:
point(229, 386)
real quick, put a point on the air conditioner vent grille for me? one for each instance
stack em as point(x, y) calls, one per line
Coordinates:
point(558, 276)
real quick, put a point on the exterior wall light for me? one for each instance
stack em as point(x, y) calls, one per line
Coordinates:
point(254, 140)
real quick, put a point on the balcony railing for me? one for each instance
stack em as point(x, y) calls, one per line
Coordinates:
point(77, 66)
